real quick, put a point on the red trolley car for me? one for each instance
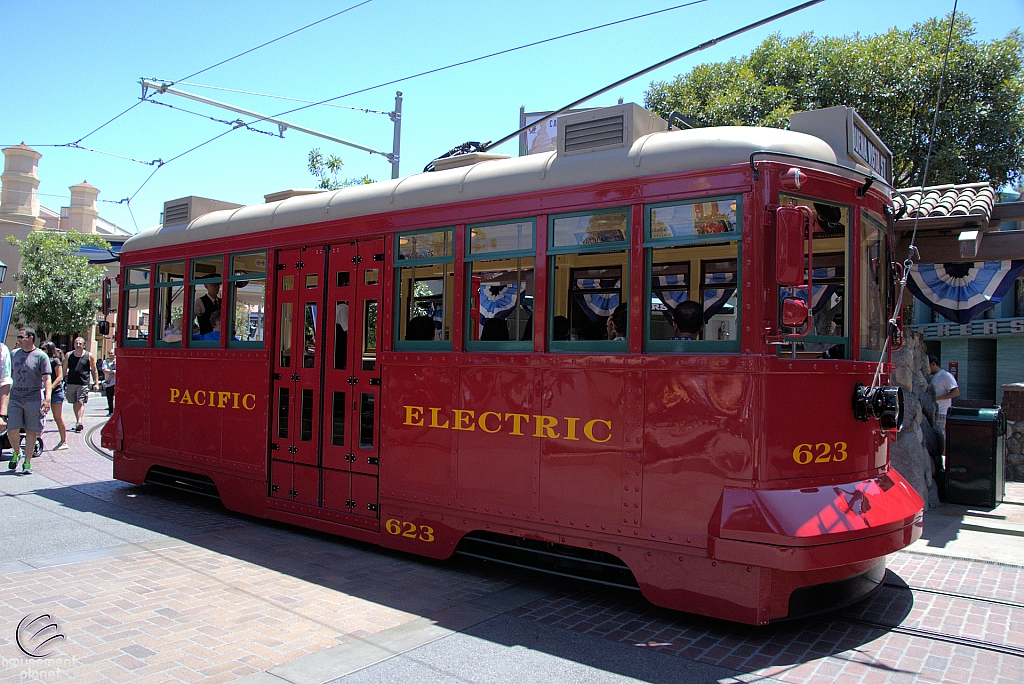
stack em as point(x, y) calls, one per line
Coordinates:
point(498, 353)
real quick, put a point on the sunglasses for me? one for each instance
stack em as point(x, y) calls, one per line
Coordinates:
point(26, 337)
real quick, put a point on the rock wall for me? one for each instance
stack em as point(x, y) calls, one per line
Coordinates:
point(1013, 405)
point(919, 446)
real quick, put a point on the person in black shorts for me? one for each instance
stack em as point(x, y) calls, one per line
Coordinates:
point(79, 369)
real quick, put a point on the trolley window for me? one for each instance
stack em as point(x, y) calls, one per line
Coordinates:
point(248, 288)
point(829, 335)
point(170, 304)
point(207, 315)
point(693, 257)
point(137, 306)
point(500, 260)
point(590, 281)
point(874, 291)
point(425, 275)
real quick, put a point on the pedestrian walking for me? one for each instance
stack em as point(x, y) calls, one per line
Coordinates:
point(5, 383)
point(79, 369)
point(109, 368)
point(30, 397)
point(57, 393)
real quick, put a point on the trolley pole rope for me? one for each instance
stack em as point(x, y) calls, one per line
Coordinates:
point(699, 48)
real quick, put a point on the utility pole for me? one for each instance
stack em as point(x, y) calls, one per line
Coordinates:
point(396, 116)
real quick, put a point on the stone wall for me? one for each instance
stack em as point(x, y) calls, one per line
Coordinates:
point(1013, 405)
point(919, 446)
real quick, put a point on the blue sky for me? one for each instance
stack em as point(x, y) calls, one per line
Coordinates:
point(69, 66)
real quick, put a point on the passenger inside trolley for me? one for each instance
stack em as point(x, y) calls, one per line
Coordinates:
point(420, 328)
point(687, 320)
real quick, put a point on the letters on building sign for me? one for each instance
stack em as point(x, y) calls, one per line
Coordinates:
point(597, 430)
point(1012, 326)
point(213, 399)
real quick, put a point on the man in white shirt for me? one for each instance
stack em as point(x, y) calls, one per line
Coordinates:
point(946, 391)
point(6, 381)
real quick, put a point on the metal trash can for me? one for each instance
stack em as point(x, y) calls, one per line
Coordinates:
point(974, 456)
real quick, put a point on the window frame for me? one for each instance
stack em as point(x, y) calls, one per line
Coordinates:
point(399, 264)
point(127, 290)
point(204, 344)
point(852, 228)
point(589, 346)
point(246, 344)
point(652, 243)
point(157, 286)
point(470, 259)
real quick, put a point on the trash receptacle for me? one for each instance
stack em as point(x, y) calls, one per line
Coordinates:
point(974, 456)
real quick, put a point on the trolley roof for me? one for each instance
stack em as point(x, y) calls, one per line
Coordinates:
point(653, 154)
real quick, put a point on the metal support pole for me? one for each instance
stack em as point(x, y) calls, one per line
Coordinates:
point(396, 116)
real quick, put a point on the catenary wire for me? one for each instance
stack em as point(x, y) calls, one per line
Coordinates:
point(908, 264)
point(291, 33)
point(236, 123)
point(488, 56)
point(225, 61)
point(430, 71)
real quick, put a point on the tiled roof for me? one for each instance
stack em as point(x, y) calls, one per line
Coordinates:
point(948, 201)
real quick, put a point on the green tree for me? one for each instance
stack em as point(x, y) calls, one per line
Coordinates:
point(892, 80)
point(58, 291)
point(326, 170)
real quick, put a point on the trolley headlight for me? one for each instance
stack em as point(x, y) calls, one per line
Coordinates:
point(884, 403)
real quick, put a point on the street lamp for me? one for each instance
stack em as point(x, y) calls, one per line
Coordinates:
point(3, 271)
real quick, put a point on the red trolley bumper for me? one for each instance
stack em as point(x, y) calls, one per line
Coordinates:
point(817, 536)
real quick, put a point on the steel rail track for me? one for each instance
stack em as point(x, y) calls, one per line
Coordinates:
point(97, 449)
point(953, 594)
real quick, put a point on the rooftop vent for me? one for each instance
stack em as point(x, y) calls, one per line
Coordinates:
point(188, 209)
point(606, 128)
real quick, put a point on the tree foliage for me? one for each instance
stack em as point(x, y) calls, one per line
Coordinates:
point(57, 290)
point(326, 170)
point(892, 80)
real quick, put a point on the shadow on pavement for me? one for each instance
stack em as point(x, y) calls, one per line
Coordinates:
point(433, 589)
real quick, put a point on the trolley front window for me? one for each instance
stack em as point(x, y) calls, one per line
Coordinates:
point(874, 276)
point(425, 290)
point(829, 319)
point(590, 281)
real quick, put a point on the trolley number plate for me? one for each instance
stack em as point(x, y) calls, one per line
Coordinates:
point(400, 528)
point(823, 452)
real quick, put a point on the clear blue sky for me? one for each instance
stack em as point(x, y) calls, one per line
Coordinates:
point(69, 66)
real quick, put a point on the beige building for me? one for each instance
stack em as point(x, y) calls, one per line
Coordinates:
point(21, 213)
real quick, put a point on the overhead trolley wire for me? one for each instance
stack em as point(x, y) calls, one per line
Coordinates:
point(456, 64)
point(291, 33)
point(908, 263)
point(492, 54)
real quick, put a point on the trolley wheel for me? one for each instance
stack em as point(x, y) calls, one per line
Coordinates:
point(39, 445)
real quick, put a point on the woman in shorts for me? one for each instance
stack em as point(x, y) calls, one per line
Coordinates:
point(57, 395)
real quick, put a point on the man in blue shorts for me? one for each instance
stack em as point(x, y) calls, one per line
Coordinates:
point(30, 397)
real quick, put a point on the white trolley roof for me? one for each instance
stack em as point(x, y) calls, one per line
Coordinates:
point(657, 153)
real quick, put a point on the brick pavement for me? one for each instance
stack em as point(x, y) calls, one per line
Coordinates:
point(242, 596)
point(823, 649)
